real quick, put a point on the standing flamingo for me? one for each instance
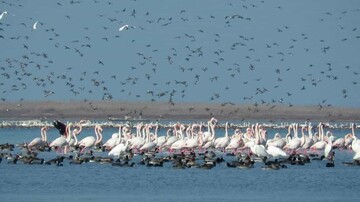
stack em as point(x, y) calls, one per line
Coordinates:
point(77, 130)
point(138, 141)
point(321, 144)
point(328, 151)
point(210, 141)
point(258, 149)
point(90, 141)
point(355, 145)
point(207, 135)
point(39, 142)
point(120, 148)
point(223, 142)
point(295, 143)
point(112, 142)
point(160, 141)
point(61, 142)
point(149, 145)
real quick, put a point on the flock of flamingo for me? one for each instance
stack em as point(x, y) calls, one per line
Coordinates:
point(186, 145)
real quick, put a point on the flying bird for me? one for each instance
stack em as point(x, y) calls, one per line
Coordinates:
point(125, 27)
point(35, 24)
point(2, 14)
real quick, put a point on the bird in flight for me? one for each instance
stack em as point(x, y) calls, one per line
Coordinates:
point(125, 27)
point(2, 14)
point(35, 24)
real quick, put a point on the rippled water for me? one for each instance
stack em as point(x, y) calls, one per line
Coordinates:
point(95, 182)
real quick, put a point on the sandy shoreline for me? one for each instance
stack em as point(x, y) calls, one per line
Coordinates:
point(164, 111)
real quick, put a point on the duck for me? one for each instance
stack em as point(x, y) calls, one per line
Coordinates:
point(330, 163)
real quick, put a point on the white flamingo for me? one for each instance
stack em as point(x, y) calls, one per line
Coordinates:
point(328, 151)
point(309, 141)
point(73, 142)
point(295, 143)
point(193, 141)
point(257, 149)
point(355, 145)
point(90, 141)
point(277, 141)
point(138, 141)
point(276, 152)
point(149, 145)
point(321, 144)
point(207, 135)
point(223, 142)
point(61, 143)
point(39, 141)
point(180, 143)
point(160, 141)
point(170, 139)
point(119, 149)
point(235, 141)
point(357, 156)
point(112, 141)
point(210, 141)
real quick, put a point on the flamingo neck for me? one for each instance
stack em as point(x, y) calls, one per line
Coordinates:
point(45, 135)
point(99, 136)
point(119, 136)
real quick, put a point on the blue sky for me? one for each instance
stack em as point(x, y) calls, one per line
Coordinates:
point(271, 52)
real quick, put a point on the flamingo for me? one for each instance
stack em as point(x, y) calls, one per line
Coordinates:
point(223, 142)
point(137, 142)
point(321, 144)
point(90, 141)
point(348, 140)
point(308, 140)
point(39, 142)
point(149, 145)
point(235, 141)
point(328, 151)
point(171, 139)
point(356, 156)
point(73, 139)
point(61, 142)
point(207, 135)
point(343, 142)
point(276, 152)
point(257, 149)
point(277, 141)
point(295, 143)
point(160, 141)
point(180, 143)
point(112, 142)
point(211, 140)
point(355, 145)
point(119, 149)
point(193, 142)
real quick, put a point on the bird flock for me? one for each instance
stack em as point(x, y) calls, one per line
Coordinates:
point(254, 52)
point(194, 145)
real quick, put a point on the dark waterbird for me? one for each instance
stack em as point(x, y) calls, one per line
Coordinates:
point(60, 126)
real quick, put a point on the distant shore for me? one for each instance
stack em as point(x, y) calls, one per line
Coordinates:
point(118, 110)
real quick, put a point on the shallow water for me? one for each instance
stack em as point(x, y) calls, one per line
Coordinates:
point(94, 182)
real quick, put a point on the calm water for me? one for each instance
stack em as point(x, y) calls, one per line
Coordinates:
point(95, 182)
